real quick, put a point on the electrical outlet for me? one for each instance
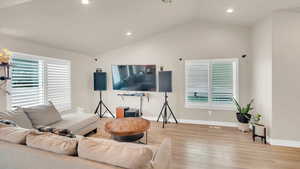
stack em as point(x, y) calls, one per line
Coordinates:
point(210, 113)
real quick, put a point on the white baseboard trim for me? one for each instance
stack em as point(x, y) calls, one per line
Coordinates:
point(285, 143)
point(202, 122)
point(268, 140)
point(210, 123)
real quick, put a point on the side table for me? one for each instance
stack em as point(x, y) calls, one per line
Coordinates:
point(260, 131)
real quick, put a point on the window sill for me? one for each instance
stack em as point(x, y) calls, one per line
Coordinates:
point(228, 108)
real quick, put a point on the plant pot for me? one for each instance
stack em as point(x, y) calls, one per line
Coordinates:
point(244, 127)
point(243, 118)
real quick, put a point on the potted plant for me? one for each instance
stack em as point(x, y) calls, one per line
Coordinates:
point(243, 115)
point(5, 56)
point(259, 130)
point(256, 118)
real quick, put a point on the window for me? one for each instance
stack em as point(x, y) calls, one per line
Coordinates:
point(27, 87)
point(211, 84)
point(58, 84)
point(37, 80)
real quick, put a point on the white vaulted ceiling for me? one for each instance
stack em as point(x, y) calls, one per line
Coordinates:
point(102, 25)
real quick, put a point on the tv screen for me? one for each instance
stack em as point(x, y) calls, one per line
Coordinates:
point(134, 77)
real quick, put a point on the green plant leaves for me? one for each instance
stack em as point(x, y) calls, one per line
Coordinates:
point(243, 110)
point(238, 107)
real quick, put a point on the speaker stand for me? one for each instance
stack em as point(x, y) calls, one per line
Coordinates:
point(98, 110)
point(164, 112)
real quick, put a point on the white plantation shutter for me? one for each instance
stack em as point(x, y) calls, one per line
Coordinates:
point(211, 83)
point(37, 80)
point(197, 83)
point(27, 87)
point(59, 84)
point(222, 83)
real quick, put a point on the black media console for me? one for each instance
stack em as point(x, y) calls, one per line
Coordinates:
point(141, 96)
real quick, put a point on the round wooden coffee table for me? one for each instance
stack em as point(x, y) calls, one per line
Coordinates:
point(128, 129)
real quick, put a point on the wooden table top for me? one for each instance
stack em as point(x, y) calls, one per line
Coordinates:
point(127, 126)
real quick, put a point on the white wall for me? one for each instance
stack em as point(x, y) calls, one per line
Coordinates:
point(82, 67)
point(262, 70)
point(275, 72)
point(286, 71)
point(198, 40)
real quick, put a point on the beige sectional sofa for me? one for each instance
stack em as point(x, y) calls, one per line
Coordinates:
point(79, 123)
point(23, 147)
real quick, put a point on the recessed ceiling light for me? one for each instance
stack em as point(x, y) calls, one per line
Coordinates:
point(85, 2)
point(167, 1)
point(128, 33)
point(230, 10)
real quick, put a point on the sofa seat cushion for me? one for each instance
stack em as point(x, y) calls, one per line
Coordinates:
point(75, 121)
point(53, 143)
point(126, 155)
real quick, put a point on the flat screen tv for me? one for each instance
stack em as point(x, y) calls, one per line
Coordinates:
point(134, 77)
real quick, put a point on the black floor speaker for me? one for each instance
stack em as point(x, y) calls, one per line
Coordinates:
point(100, 81)
point(165, 85)
point(100, 84)
point(165, 81)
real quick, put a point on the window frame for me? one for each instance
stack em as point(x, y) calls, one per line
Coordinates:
point(45, 60)
point(210, 105)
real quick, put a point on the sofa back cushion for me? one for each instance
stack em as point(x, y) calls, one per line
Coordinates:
point(43, 115)
point(15, 135)
point(126, 155)
point(4, 116)
point(163, 156)
point(53, 143)
point(18, 116)
point(15, 156)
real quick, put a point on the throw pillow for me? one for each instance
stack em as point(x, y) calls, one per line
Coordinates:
point(126, 155)
point(53, 143)
point(43, 115)
point(18, 116)
point(15, 135)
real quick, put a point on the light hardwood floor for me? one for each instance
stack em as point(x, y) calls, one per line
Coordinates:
point(207, 147)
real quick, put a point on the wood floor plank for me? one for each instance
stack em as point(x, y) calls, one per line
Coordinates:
point(208, 147)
